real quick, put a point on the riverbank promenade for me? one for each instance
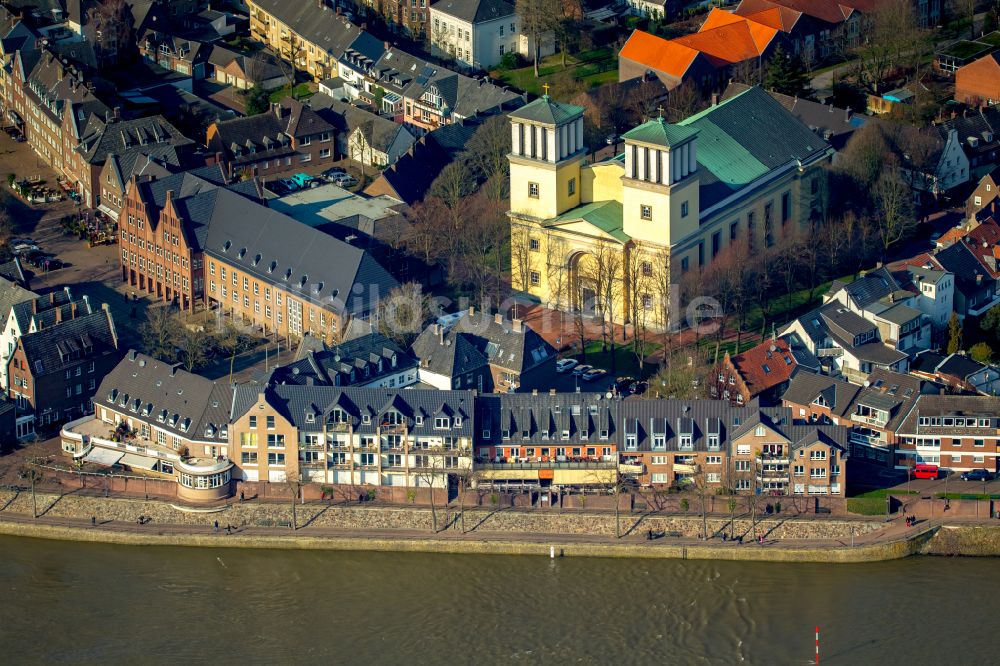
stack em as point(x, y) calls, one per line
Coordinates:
point(346, 527)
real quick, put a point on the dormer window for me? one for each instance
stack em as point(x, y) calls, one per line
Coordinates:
point(274, 264)
point(310, 418)
point(458, 421)
point(226, 246)
point(441, 422)
point(366, 419)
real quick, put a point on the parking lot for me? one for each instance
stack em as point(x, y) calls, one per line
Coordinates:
point(863, 476)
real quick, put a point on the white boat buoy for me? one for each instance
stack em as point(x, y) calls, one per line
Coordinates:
point(552, 552)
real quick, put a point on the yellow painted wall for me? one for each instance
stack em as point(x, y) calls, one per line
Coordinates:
point(602, 182)
point(553, 188)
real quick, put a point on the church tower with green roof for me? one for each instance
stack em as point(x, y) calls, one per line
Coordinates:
point(546, 152)
point(660, 185)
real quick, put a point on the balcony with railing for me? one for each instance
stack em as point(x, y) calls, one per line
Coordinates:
point(549, 464)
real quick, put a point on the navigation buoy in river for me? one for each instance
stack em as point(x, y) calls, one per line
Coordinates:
point(552, 552)
point(817, 645)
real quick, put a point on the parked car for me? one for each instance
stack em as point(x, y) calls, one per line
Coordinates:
point(345, 180)
point(638, 388)
point(25, 248)
point(332, 172)
point(593, 374)
point(291, 185)
point(566, 364)
point(622, 384)
point(977, 475)
point(302, 180)
point(580, 369)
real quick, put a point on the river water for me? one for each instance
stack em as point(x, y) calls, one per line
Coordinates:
point(88, 603)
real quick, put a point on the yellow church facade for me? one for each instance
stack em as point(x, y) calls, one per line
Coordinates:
point(614, 238)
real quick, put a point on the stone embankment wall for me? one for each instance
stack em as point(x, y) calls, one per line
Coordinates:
point(967, 540)
point(374, 517)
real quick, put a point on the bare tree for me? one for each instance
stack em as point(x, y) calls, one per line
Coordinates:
point(294, 483)
point(32, 475)
point(614, 485)
point(895, 219)
point(538, 17)
point(403, 313)
point(193, 352)
point(487, 151)
point(699, 482)
point(428, 471)
point(161, 333)
point(891, 38)
point(557, 271)
point(520, 257)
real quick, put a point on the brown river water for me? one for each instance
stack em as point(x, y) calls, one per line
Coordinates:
point(73, 603)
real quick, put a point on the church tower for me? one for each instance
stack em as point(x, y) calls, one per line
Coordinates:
point(546, 151)
point(660, 186)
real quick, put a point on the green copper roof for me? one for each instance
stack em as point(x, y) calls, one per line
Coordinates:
point(747, 136)
point(660, 133)
point(605, 215)
point(545, 110)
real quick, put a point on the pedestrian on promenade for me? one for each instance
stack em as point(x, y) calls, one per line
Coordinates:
point(216, 526)
point(93, 521)
point(649, 535)
point(242, 496)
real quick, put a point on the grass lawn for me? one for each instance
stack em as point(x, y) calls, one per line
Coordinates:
point(626, 362)
point(966, 496)
point(882, 493)
point(595, 67)
point(301, 91)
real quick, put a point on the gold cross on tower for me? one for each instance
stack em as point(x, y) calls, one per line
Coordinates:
point(660, 109)
point(546, 88)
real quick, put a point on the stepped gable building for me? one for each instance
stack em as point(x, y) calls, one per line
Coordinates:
point(188, 240)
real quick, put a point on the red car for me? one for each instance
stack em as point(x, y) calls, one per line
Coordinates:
point(925, 472)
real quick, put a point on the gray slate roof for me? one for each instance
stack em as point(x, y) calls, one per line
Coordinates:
point(939, 406)
point(10, 295)
point(475, 11)
point(102, 139)
point(361, 360)
point(547, 111)
point(295, 403)
point(453, 356)
point(497, 341)
point(318, 25)
point(86, 336)
point(168, 397)
point(379, 132)
point(589, 418)
point(806, 387)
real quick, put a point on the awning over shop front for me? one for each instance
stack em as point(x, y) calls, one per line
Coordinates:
point(138, 462)
point(104, 457)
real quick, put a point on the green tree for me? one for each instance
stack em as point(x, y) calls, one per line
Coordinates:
point(954, 334)
point(990, 323)
point(258, 101)
point(981, 352)
point(786, 74)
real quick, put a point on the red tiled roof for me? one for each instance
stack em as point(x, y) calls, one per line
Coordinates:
point(727, 38)
point(659, 54)
point(775, 355)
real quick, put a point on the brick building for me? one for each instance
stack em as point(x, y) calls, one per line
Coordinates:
point(194, 242)
point(954, 432)
point(287, 139)
point(54, 371)
point(979, 81)
point(763, 370)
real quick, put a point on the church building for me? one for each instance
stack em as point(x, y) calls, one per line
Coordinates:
point(615, 237)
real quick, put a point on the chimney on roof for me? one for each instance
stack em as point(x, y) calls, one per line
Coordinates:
point(715, 99)
point(52, 298)
point(132, 354)
point(534, 391)
point(979, 279)
point(517, 326)
point(387, 44)
point(118, 113)
point(58, 315)
point(498, 318)
point(472, 310)
point(111, 324)
point(440, 332)
point(552, 391)
point(338, 11)
point(34, 306)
